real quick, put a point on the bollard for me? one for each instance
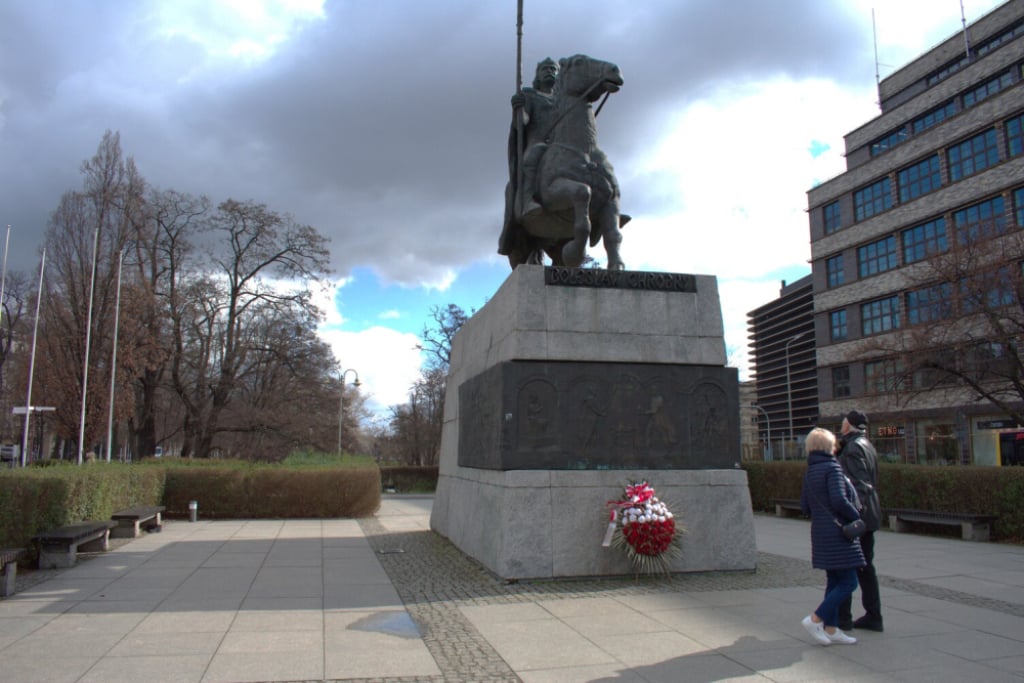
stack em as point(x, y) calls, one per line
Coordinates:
point(193, 510)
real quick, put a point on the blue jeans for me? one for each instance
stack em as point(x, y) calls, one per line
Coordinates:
point(839, 586)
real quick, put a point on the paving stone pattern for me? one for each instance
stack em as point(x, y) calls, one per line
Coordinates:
point(434, 579)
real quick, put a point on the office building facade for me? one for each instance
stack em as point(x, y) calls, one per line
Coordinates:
point(934, 187)
point(782, 354)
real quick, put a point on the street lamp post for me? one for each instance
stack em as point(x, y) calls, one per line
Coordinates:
point(789, 391)
point(341, 403)
point(768, 422)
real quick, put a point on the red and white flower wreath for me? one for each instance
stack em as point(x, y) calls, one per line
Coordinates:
point(644, 528)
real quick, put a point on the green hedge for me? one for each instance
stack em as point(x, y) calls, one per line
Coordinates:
point(269, 492)
point(35, 499)
point(409, 479)
point(995, 491)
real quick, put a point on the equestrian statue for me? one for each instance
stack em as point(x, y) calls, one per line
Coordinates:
point(562, 193)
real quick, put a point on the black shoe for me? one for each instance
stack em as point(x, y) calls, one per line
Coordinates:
point(845, 626)
point(866, 623)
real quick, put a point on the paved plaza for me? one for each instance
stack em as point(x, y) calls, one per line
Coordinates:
point(383, 599)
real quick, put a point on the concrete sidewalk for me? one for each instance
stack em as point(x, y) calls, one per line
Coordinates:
point(384, 599)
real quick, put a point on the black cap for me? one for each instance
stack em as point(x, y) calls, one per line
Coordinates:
point(857, 419)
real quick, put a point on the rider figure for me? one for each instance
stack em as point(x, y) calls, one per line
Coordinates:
point(536, 106)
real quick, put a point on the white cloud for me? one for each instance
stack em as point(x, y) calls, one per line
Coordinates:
point(246, 30)
point(387, 362)
point(737, 166)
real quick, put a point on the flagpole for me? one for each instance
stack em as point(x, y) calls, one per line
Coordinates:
point(32, 363)
point(113, 361)
point(88, 339)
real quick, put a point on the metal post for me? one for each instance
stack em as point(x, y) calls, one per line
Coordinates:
point(789, 391)
point(32, 362)
point(113, 361)
point(88, 339)
point(341, 403)
point(768, 422)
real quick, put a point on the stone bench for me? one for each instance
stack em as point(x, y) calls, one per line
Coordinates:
point(787, 507)
point(130, 522)
point(9, 558)
point(973, 527)
point(58, 548)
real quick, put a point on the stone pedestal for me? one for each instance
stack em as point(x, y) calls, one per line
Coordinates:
point(567, 385)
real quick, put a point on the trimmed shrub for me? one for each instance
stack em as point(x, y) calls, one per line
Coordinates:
point(995, 491)
point(410, 479)
point(237, 490)
point(35, 499)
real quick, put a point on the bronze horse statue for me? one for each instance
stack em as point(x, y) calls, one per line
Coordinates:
point(577, 197)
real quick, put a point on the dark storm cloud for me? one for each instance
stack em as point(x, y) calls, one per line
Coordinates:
point(384, 124)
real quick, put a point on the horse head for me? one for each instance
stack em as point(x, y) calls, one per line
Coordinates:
point(586, 77)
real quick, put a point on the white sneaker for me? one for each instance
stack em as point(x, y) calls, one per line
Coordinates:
point(817, 630)
point(840, 637)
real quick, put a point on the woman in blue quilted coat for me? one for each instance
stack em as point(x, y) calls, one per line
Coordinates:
point(831, 501)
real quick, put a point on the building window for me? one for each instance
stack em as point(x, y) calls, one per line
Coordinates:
point(985, 219)
point(988, 88)
point(990, 360)
point(924, 240)
point(1018, 202)
point(929, 119)
point(837, 324)
point(841, 381)
point(974, 155)
point(834, 269)
point(1014, 139)
point(832, 218)
point(872, 199)
point(882, 376)
point(936, 368)
point(877, 257)
point(930, 304)
point(889, 141)
point(880, 316)
point(937, 443)
point(919, 179)
point(989, 291)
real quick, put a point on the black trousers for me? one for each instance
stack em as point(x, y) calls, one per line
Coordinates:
point(868, 580)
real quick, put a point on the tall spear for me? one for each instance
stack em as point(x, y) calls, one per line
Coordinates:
point(3, 278)
point(517, 196)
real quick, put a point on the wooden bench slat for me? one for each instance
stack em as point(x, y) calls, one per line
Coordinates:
point(9, 558)
point(973, 526)
point(58, 548)
point(785, 505)
point(140, 512)
point(130, 521)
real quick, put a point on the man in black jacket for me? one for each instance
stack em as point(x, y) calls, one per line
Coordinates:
point(860, 462)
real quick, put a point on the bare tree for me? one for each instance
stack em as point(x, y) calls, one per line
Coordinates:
point(18, 294)
point(415, 427)
point(437, 340)
point(103, 216)
point(162, 260)
point(211, 334)
point(959, 341)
